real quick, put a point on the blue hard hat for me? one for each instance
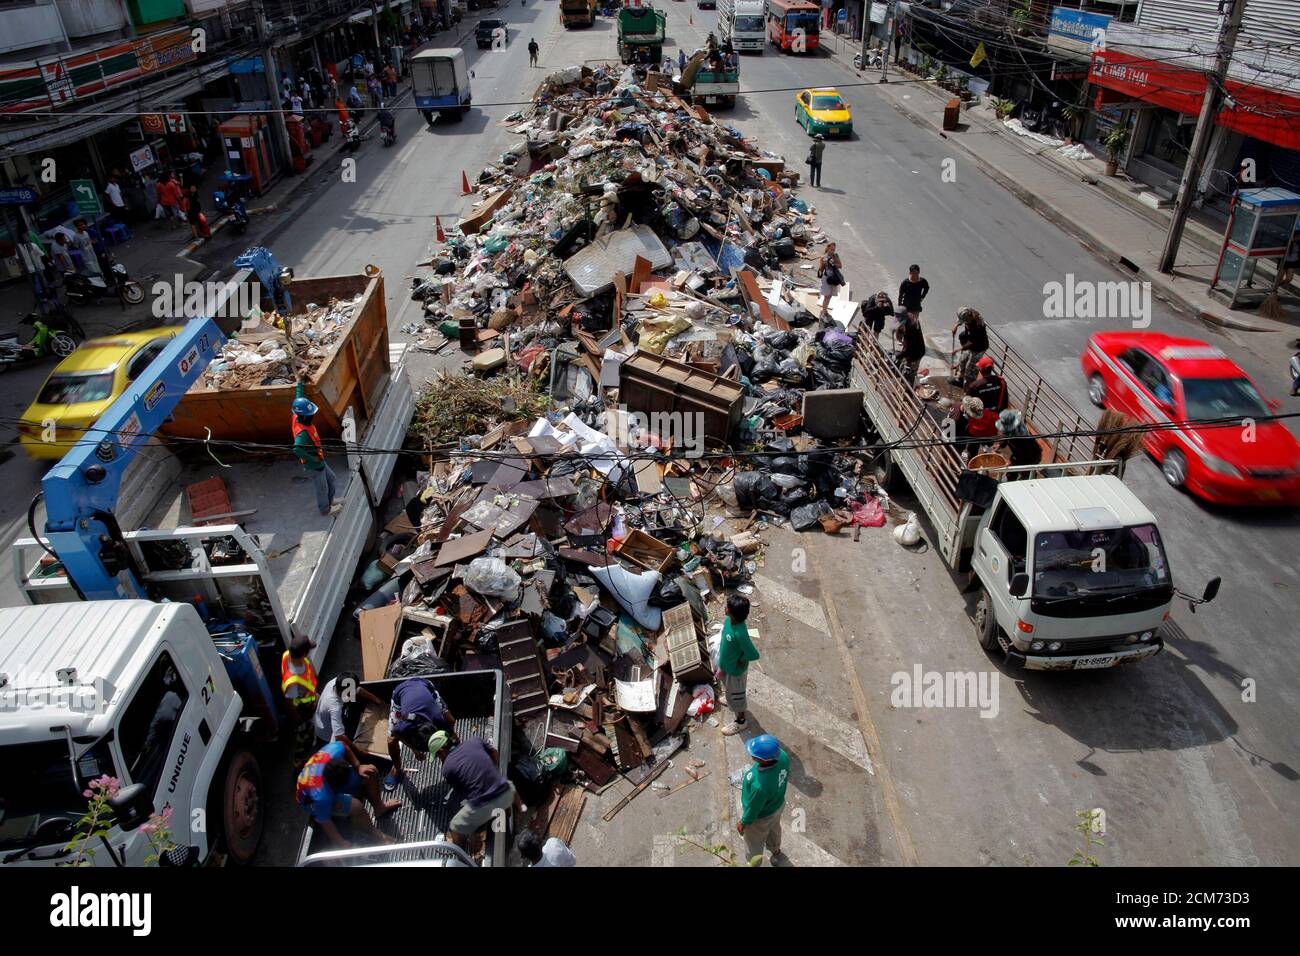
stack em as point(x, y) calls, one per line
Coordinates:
point(304, 407)
point(764, 747)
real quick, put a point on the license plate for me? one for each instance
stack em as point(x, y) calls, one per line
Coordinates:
point(832, 129)
point(1088, 663)
point(1269, 494)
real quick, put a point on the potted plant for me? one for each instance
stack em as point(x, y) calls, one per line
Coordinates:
point(1002, 108)
point(1116, 141)
point(963, 89)
point(1075, 113)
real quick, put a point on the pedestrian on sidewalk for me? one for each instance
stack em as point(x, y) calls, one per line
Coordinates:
point(85, 244)
point(376, 91)
point(734, 654)
point(307, 446)
point(116, 204)
point(295, 105)
point(815, 152)
point(533, 50)
point(762, 799)
point(830, 271)
point(390, 80)
point(1295, 371)
point(62, 257)
point(912, 290)
point(169, 198)
point(194, 213)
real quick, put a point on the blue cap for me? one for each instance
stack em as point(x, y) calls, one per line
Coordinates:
point(304, 407)
point(764, 747)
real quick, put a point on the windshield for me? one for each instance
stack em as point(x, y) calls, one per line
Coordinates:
point(827, 103)
point(1079, 563)
point(807, 22)
point(1222, 398)
point(39, 800)
point(71, 389)
point(749, 24)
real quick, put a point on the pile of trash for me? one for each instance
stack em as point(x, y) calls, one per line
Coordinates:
point(650, 385)
point(261, 353)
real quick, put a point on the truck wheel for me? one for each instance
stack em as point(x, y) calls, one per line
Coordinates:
point(986, 622)
point(237, 809)
point(1097, 390)
point(884, 471)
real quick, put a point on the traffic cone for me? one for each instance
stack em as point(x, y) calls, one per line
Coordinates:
point(464, 184)
point(437, 226)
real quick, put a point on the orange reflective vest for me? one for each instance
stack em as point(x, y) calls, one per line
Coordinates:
point(298, 429)
point(305, 680)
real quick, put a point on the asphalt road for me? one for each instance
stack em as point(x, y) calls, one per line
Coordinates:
point(1188, 771)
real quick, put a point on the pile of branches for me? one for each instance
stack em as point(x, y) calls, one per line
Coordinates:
point(454, 406)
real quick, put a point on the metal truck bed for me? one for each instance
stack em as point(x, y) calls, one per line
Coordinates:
point(478, 701)
point(933, 471)
point(300, 591)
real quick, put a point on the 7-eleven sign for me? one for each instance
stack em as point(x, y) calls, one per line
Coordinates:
point(58, 83)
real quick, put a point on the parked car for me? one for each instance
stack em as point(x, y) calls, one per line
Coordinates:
point(1161, 379)
point(488, 31)
point(823, 111)
point(83, 386)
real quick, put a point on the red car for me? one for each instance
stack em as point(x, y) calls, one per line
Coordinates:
point(1157, 378)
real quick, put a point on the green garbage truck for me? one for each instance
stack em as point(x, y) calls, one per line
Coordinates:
point(641, 32)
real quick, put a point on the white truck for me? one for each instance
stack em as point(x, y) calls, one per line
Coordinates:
point(1069, 565)
point(274, 562)
point(743, 21)
point(140, 692)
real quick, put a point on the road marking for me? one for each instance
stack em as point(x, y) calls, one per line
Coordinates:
point(893, 806)
point(801, 850)
point(791, 603)
point(800, 712)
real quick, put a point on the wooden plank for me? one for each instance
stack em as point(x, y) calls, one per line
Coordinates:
point(564, 821)
point(379, 629)
point(613, 811)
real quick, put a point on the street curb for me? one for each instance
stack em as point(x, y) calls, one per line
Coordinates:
point(1066, 224)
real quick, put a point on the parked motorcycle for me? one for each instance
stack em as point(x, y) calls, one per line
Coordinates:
point(232, 202)
point(58, 336)
point(872, 62)
point(89, 289)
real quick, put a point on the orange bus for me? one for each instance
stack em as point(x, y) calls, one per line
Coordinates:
point(792, 25)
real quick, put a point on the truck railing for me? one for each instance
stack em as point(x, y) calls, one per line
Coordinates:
point(934, 468)
point(423, 853)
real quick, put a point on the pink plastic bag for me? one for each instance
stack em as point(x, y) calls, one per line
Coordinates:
point(868, 514)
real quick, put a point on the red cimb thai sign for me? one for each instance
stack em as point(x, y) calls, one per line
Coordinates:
point(1266, 114)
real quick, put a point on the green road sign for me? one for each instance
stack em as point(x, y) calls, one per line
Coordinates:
point(83, 191)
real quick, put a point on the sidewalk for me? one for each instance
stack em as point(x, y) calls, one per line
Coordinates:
point(1104, 213)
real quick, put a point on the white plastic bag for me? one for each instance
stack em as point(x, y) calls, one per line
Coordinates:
point(909, 533)
point(494, 578)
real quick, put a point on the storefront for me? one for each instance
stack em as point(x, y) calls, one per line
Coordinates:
point(1162, 102)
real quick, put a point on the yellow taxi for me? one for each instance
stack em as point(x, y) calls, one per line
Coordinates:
point(824, 111)
point(83, 386)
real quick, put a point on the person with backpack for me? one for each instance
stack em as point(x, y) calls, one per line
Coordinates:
point(830, 272)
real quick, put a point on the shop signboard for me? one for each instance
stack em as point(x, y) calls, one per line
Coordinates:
point(142, 158)
point(1077, 29)
point(17, 196)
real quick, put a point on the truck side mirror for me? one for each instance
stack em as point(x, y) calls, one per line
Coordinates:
point(1019, 585)
point(1211, 589)
point(131, 806)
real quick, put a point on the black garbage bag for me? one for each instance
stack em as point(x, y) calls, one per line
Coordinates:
point(418, 665)
point(754, 490)
point(734, 356)
point(784, 249)
point(528, 774)
point(784, 341)
point(785, 465)
point(790, 372)
point(763, 371)
point(829, 376)
point(806, 517)
point(792, 498)
point(835, 351)
point(668, 594)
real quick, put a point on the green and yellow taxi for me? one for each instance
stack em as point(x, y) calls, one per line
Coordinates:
point(823, 111)
point(83, 386)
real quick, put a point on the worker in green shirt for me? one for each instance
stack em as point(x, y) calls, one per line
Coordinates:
point(307, 446)
point(762, 798)
point(734, 655)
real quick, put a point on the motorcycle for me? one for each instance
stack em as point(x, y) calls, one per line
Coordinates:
point(59, 336)
point(872, 62)
point(232, 203)
point(89, 289)
point(387, 128)
point(351, 137)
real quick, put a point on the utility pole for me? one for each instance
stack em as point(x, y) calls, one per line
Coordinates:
point(1230, 16)
point(278, 129)
point(379, 47)
point(866, 34)
point(889, 42)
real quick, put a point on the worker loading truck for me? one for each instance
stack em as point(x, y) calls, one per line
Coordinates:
point(1067, 566)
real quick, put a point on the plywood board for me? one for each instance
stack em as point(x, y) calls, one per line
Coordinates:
point(379, 629)
point(372, 732)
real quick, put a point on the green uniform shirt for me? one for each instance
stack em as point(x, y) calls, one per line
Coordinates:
point(736, 650)
point(303, 446)
point(762, 792)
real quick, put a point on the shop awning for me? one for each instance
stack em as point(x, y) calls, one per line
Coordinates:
point(1265, 114)
point(361, 17)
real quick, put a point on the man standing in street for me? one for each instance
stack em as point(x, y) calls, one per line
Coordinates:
point(912, 290)
point(533, 50)
point(815, 160)
point(734, 655)
point(307, 446)
point(762, 798)
point(116, 204)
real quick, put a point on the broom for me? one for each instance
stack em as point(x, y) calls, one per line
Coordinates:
point(1113, 443)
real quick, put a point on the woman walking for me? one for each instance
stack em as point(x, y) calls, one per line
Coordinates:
point(829, 270)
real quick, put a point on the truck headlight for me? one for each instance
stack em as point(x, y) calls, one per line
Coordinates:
point(1054, 646)
point(1148, 635)
point(1131, 639)
point(1219, 466)
point(1036, 646)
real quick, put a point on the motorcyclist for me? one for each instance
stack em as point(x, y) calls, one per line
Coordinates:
point(386, 119)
